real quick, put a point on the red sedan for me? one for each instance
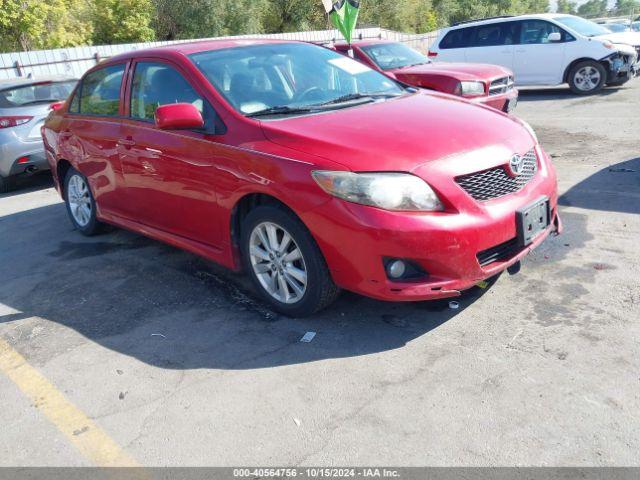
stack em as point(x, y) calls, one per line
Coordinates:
point(307, 169)
point(490, 85)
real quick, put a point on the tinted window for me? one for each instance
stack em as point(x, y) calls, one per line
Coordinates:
point(454, 39)
point(493, 34)
point(296, 75)
point(537, 31)
point(74, 106)
point(394, 55)
point(156, 84)
point(32, 94)
point(100, 92)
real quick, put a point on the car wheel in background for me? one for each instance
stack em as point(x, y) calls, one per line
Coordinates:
point(81, 205)
point(284, 262)
point(587, 77)
point(6, 184)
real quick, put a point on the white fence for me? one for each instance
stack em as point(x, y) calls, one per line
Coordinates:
point(75, 61)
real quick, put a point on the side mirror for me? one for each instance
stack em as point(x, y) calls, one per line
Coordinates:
point(175, 116)
point(554, 37)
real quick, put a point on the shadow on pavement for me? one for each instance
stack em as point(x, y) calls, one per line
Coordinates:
point(559, 93)
point(29, 183)
point(171, 309)
point(615, 188)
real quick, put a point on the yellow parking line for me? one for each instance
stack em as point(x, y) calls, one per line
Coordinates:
point(92, 442)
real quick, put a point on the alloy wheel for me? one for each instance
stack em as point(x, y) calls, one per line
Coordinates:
point(79, 200)
point(277, 262)
point(587, 78)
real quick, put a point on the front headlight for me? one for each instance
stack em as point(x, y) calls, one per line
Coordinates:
point(472, 88)
point(390, 191)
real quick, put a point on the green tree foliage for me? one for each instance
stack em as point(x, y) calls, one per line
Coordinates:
point(39, 24)
point(593, 8)
point(567, 6)
point(122, 21)
point(627, 7)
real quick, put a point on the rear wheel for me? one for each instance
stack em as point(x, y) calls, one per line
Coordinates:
point(284, 262)
point(81, 205)
point(6, 184)
point(587, 77)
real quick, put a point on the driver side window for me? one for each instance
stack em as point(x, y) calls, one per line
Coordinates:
point(155, 84)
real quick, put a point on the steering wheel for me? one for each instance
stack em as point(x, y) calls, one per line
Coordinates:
point(306, 92)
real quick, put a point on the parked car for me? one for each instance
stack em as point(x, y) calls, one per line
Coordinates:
point(617, 27)
point(24, 103)
point(490, 85)
point(311, 171)
point(544, 49)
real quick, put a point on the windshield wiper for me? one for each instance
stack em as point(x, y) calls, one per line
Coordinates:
point(357, 96)
point(279, 110)
point(44, 100)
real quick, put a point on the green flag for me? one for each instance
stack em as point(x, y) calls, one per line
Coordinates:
point(344, 15)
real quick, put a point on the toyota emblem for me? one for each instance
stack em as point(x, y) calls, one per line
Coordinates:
point(516, 164)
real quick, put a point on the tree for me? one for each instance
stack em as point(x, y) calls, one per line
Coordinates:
point(627, 7)
point(567, 6)
point(593, 8)
point(122, 21)
point(293, 15)
point(38, 24)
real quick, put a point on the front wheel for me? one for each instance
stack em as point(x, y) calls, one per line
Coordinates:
point(284, 262)
point(81, 205)
point(587, 77)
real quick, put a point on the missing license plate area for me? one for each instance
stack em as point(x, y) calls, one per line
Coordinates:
point(532, 220)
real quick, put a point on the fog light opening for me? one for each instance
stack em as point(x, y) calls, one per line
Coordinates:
point(399, 269)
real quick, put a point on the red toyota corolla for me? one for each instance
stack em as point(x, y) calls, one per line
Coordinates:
point(490, 85)
point(307, 169)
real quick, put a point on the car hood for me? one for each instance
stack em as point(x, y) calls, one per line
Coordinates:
point(459, 71)
point(627, 38)
point(399, 134)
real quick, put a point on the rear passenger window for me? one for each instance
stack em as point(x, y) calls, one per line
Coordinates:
point(156, 84)
point(494, 34)
point(537, 31)
point(454, 39)
point(100, 91)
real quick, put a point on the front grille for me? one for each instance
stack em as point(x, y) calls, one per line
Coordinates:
point(501, 252)
point(501, 85)
point(495, 182)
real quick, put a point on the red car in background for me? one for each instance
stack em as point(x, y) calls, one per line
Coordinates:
point(307, 169)
point(490, 85)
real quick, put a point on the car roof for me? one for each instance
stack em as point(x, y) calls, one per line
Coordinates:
point(23, 81)
point(187, 48)
point(529, 16)
point(365, 43)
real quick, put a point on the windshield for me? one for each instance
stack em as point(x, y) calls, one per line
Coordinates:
point(35, 93)
point(582, 26)
point(394, 55)
point(289, 78)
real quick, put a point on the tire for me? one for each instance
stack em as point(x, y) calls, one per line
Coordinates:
point(268, 267)
point(586, 78)
point(74, 196)
point(6, 184)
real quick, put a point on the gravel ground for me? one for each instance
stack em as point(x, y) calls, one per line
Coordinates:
point(540, 369)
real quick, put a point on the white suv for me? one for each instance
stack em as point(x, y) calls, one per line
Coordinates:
point(543, 49)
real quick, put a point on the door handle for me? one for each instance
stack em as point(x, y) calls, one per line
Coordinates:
point(126, 142)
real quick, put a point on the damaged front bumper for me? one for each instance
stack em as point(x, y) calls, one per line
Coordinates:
point(622, 66)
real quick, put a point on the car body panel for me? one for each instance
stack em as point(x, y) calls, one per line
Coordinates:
point(184, 187)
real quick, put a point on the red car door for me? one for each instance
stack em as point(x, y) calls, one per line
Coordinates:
point(91, 131)
point(169, 175)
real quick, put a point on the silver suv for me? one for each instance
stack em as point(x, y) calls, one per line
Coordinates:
point(24, 104)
